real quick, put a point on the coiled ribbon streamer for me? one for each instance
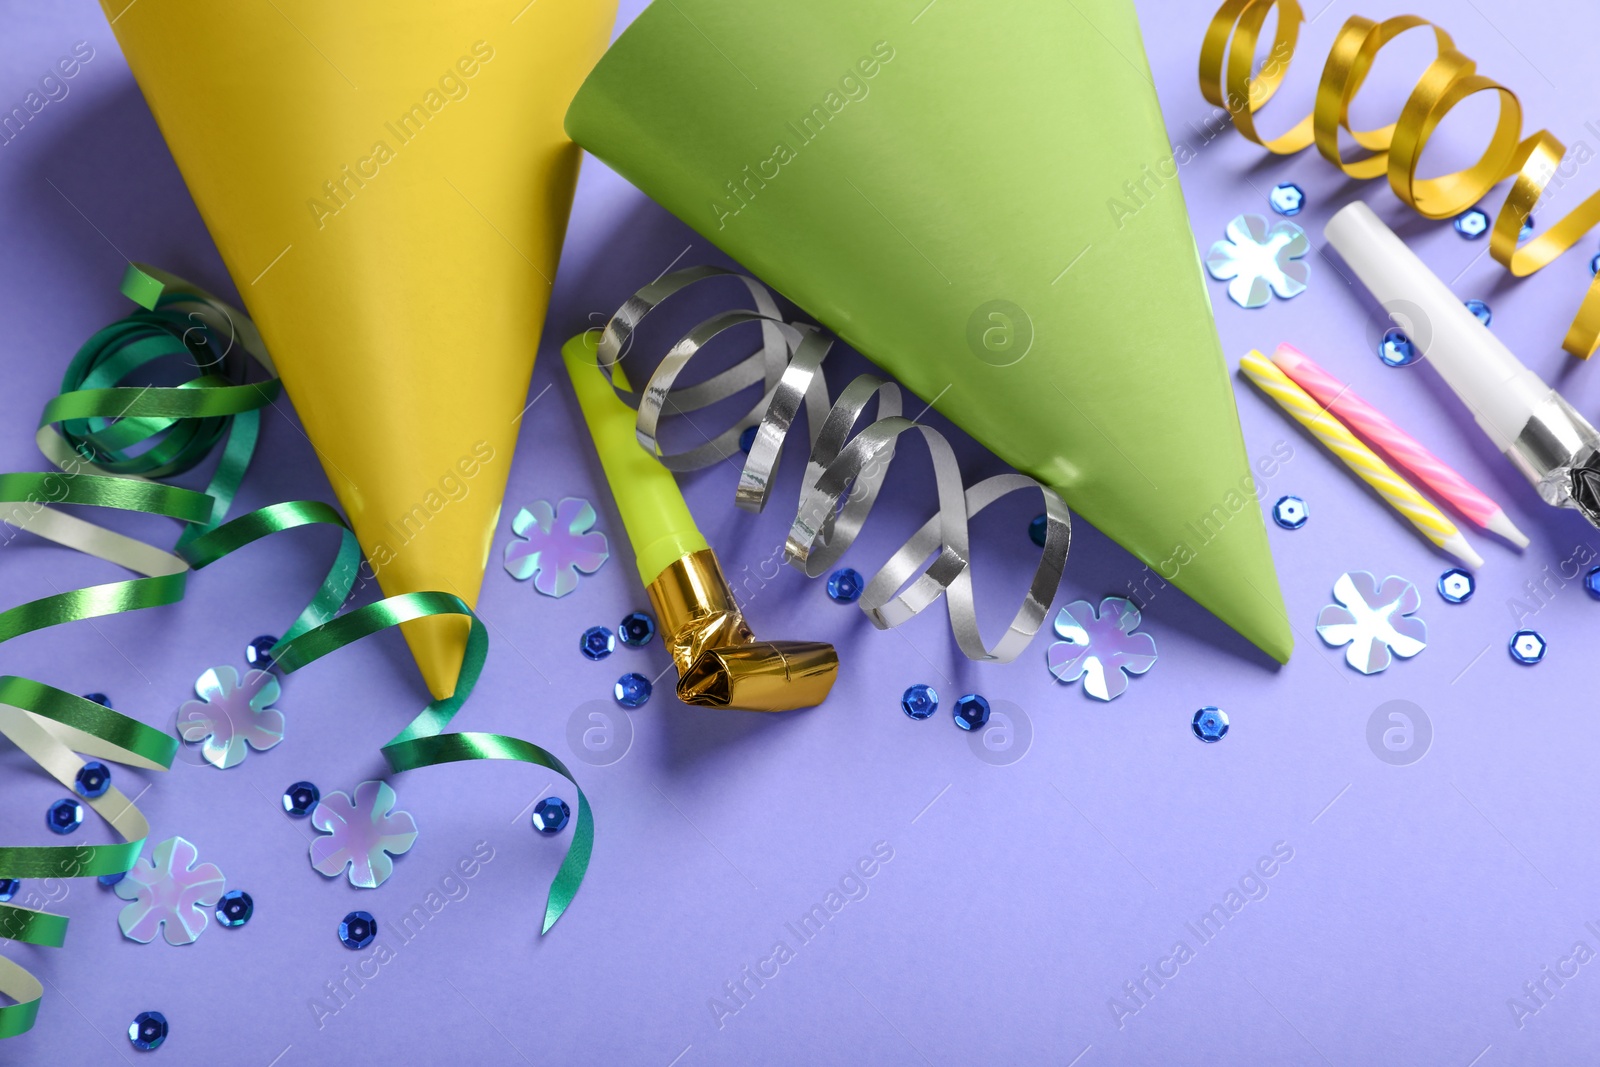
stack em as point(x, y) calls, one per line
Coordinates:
point(1227, 56)
point(110, 442)
point(844, 474)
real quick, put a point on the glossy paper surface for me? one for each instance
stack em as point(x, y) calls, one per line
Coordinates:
point(937, 193)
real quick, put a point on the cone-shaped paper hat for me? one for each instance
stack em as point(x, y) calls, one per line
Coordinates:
point(388, 183)
point(933, 186)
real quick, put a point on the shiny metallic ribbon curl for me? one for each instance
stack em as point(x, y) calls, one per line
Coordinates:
point(845, 473)
point(110, 441)
point(1227, 57)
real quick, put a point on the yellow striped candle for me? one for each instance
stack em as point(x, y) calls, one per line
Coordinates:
point(1395, 490)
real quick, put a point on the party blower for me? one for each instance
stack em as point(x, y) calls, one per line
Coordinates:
point(388, 183)
point(720, 663)
point(1542, 435)
point(982, 200)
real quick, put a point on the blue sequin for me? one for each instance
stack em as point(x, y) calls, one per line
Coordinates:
point(747, 439)
point(1527, 646)
point(919, 701)
point(1396, 348)
point(9, 887)
point(1591, 582)
point(358, 929)
point(93, 779)
point(258, 653)
point(1480, 310)
point(636, 629)
point(1472, 224)
point(1287, 199)
point(971, 712)
point(631, 690)
point(550, 815)
point(300, 798)
point(1290, 512)
point(98, 698)
point(1457, 586)
point(109, 880)
point(1527, 229)
point(1038, 528)
point(844, 585)
point(1210, 724)
point(597, 642)
point(235, 908)
point(1594, 265)
point(147, 1031)
point(64, 816)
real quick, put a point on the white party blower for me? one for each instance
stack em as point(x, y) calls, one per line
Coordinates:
point(1540, 433)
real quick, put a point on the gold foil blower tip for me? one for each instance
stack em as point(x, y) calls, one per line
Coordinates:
point(720, 662)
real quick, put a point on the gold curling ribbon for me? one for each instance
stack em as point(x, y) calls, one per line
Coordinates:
point(1227, 56)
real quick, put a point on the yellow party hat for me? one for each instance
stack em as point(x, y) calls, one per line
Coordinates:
point(388, 184)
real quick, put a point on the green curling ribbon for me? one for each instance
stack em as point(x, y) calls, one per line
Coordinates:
point(423, 744)
point(109, 440)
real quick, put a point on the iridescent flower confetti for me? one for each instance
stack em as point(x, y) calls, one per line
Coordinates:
point(1257, 260)
point(1101, 649)
point(170, 893)
point(555, 546)
point(1373, 620)
point(230, 713)
point(361, 833)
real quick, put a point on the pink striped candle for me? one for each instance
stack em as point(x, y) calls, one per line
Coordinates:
point(1404, 449)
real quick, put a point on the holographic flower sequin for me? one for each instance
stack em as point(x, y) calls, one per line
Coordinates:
point(1373, 620)
point(555, 545)
point(361, 833)
point(1101, 649)
point(1257, 260)
point(169, 892)
point(230, 713)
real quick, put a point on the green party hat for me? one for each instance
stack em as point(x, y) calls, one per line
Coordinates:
point(945, 186)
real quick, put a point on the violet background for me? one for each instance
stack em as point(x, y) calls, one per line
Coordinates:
point(1020, 898)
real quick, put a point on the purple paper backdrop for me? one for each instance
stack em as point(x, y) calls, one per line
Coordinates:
point(1021, 897)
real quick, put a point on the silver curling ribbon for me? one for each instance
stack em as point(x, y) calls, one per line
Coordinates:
point(846, 470)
